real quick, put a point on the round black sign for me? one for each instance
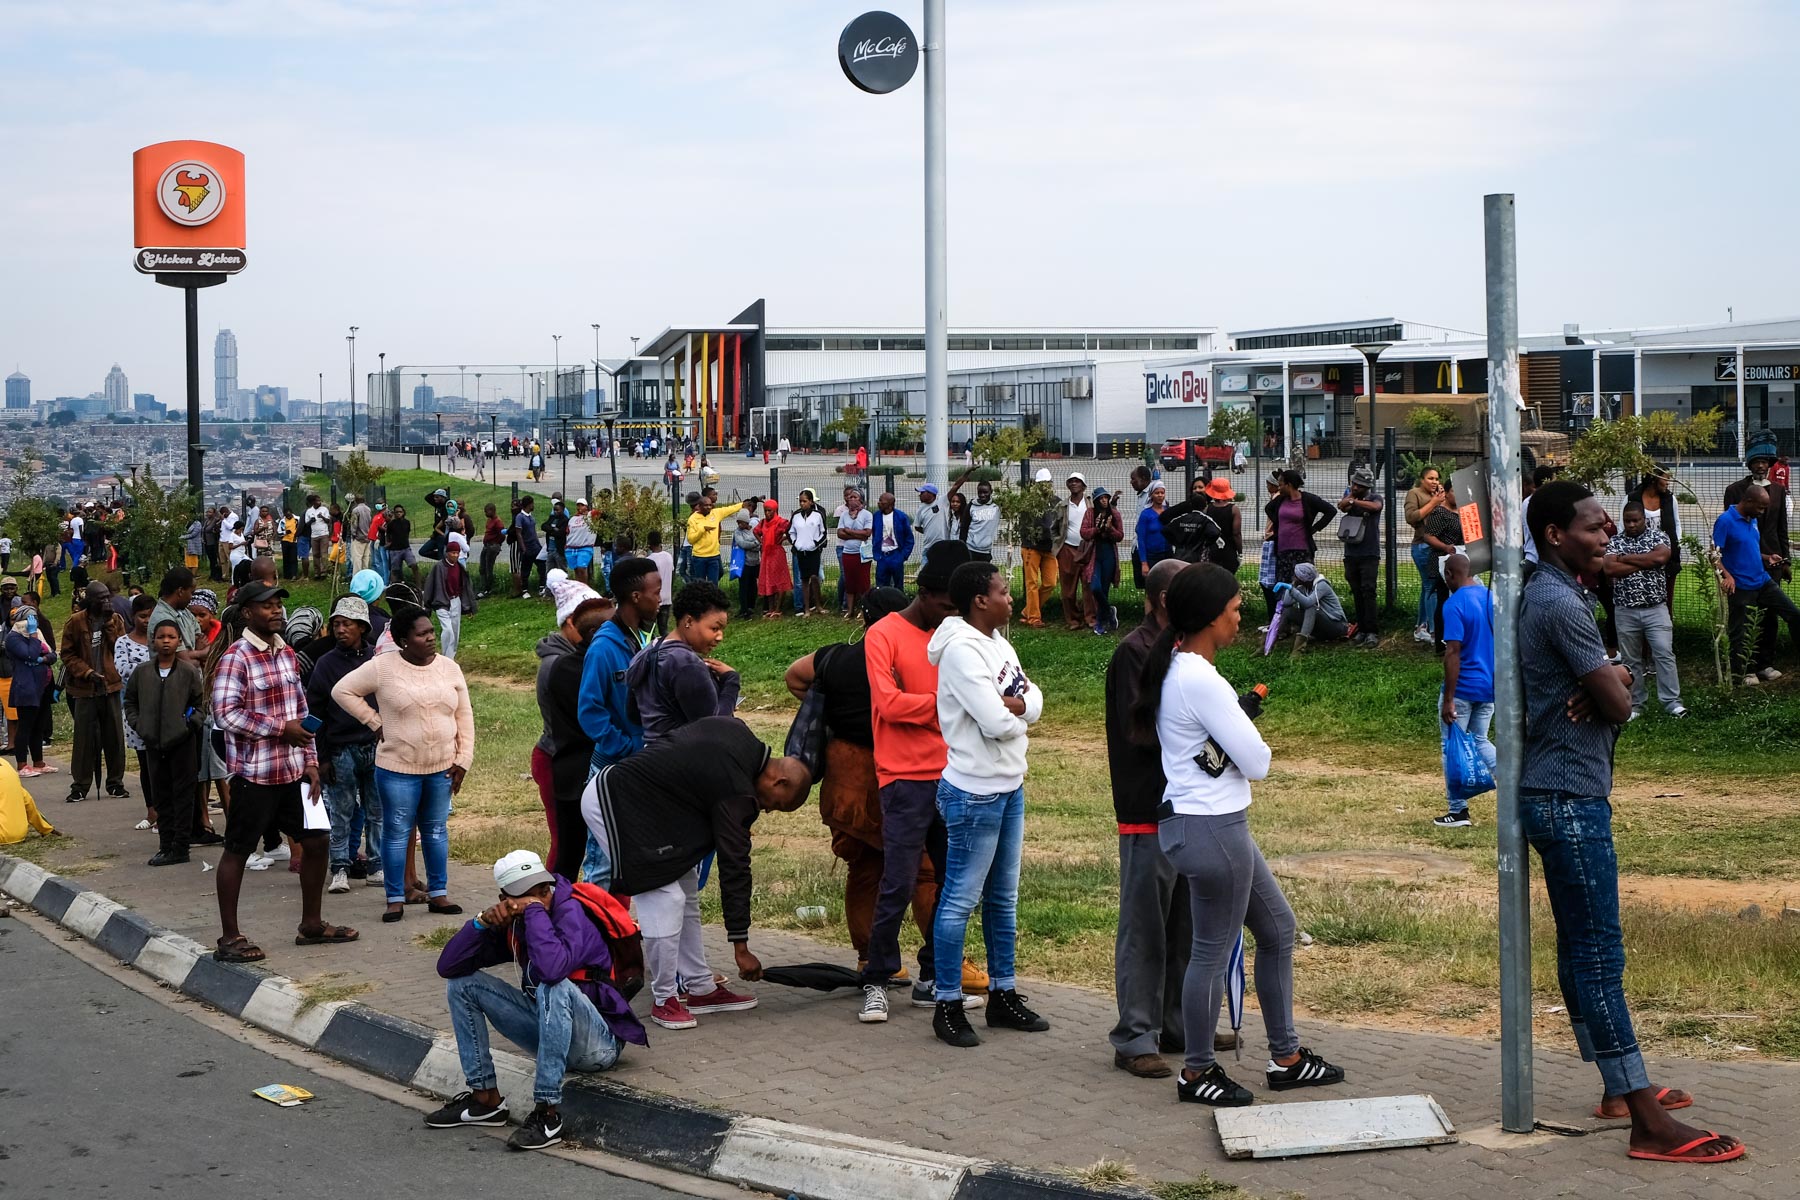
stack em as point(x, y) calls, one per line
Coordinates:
point(878, 52)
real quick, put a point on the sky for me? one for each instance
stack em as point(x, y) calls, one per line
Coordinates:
point(463, 180)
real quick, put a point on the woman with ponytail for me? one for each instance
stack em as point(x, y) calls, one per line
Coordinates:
point(1211, 751)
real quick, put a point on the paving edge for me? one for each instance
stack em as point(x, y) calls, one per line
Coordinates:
point(599, 1113)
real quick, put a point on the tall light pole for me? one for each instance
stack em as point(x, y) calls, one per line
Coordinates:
point(477, 409)
point(937, 321)
point(352, 340)
point(1371, 351)
point(597, 405)
point(555, 378)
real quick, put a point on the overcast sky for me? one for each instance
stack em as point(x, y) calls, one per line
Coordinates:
point(463, 180)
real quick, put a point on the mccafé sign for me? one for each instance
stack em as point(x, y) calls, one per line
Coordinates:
point(1188, 387)
point(187, 206)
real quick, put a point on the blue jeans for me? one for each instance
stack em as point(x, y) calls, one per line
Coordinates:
point(378, 560)
point(408, 801)
point(1421, 556)
point(355, 802)
point(1475, 719)
point(984, 836)
point(560, 1027)
point(706, 569)
point(1573, 838)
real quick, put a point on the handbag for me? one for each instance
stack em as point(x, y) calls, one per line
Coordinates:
point(737, 562)
point(806, 735)
point(1265, 574)
point(1350, 528)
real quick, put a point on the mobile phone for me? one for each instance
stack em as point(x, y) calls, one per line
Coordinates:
point(311, 723)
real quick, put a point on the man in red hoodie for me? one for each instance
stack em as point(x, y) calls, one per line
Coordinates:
point(909, 761)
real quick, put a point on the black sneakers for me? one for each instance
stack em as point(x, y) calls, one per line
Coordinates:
point(952, 1026)
point(462, 1110)
point(540, 1131)
point(1006, 1010)
point(1214, 1087)
point(168, 858)
point(1310, 1071)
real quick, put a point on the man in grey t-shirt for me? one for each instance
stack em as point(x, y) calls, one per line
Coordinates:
point(1575, 702)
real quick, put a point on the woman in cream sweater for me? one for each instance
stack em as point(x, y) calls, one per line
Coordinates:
point(427, 742)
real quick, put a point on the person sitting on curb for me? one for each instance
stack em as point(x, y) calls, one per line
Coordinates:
point(1314, 607)
point(565, 1012)
point(654, 816)
point(1467, 700)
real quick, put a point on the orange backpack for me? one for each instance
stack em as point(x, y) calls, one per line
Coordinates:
point(624, 940)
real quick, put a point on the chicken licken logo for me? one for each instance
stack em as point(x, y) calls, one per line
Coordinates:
point(190, 193)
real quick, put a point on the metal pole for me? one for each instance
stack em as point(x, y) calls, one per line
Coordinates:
point(937, 323)
point(1637, 381)
point(1287, 419)
point(1740, 401)
point(1389, 456)
point(352, 340)
point(612, 454)
point(1507, 505)
point(196, 481)
point(1597, 415)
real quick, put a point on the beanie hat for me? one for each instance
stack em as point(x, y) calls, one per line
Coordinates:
point(1761, 444)
point(368, 585)
point(569, 594)
point(1306, 573)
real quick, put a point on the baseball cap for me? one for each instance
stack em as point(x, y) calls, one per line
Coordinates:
point(927, 489)
point(256, 592)
point(520, 871)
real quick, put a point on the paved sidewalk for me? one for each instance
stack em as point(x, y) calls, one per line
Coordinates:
point(1046, 1101)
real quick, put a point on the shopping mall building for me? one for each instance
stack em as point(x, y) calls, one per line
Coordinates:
point(1088, 389)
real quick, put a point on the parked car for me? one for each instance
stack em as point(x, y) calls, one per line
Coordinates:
point(1176, 451)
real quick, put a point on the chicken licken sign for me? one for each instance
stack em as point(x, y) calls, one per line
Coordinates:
point(187, 204)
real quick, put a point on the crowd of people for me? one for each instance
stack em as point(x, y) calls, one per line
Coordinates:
point(339, 746)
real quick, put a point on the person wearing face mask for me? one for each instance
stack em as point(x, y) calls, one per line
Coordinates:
point(32, 659)
point(88, 641)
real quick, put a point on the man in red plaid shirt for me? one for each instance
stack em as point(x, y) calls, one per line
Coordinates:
point(259, 703)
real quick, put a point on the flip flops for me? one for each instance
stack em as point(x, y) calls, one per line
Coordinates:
point(1662, 1098)
point(328, 935)
point(1684, 1153)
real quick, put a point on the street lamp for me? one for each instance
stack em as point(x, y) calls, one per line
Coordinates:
point(555, 377)
point(352, 340)
point(1371, 351)
point(596, 326)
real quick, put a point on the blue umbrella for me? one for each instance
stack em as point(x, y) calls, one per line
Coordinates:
point(1234, 992)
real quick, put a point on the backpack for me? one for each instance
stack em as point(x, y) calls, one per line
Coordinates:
point(624, 940)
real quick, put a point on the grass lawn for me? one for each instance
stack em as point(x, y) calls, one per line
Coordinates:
point(1704, 825)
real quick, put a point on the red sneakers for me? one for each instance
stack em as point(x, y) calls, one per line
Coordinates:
point(673, 1014)
point(720, 999)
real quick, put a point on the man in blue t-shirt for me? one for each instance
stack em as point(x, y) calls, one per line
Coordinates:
point(1745, 578)
point(1468, 697)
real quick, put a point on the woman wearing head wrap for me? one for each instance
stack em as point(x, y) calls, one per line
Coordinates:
point(32, 658)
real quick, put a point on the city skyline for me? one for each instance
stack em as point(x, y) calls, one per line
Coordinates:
point(1188, 163)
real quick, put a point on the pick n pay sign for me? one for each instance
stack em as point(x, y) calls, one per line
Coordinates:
point(1189, 387)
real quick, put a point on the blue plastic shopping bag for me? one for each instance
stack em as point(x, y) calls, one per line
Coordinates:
point(737, 562)
point(1466, 773)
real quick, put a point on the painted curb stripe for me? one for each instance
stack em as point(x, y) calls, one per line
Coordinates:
point(226, 986)
point(643, 1125)
point(55, 896)
point(388, 1046)
point(125, 935)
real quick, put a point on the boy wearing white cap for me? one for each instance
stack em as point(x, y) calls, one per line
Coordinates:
point(450, 593)
point(565, 1011)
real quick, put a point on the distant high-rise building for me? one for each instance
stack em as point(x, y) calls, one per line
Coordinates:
point(225, 372)
point(424, 397)
point(117, 390)
point(144, 405)
point(269, 401)
point(242, 406)
point(18, 390)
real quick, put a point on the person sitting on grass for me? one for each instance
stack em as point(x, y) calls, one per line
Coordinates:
point(653, 817)
point(1313, 611)
point(565, 1012)
point(1575, 702)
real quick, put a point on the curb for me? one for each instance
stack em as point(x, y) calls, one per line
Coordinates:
point(648, 1127)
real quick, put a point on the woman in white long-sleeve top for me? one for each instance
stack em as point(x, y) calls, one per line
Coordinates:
point(1211, 750)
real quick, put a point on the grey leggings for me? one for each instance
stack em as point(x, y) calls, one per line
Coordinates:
point(1229, 887)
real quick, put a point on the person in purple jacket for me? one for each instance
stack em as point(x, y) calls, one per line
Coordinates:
point(564, 1012)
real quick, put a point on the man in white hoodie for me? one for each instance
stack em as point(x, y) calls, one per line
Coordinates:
point(985, 705)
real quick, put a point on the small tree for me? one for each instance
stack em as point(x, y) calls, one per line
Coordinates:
point(1009, 444)
point(911, 429)
point(151, 540)
point(852, 419)
point(1429, 423)
point(1231, 424)
point(357, 474)
point(635, 509)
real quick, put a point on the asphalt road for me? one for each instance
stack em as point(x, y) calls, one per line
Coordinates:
point(106, 1092)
